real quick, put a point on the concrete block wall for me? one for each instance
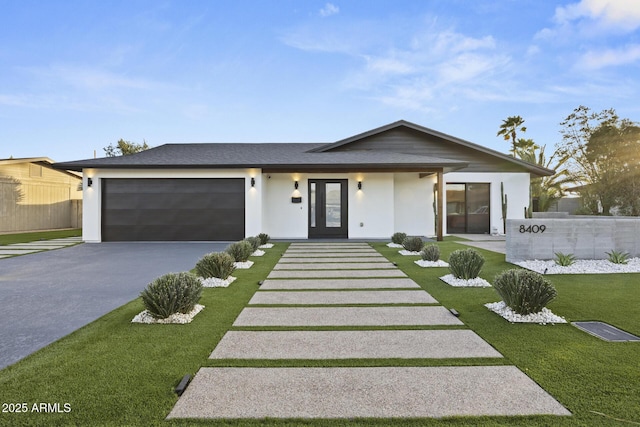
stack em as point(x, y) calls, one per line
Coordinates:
point(584, 237)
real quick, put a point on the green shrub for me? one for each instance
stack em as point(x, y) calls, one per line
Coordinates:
point(524, 291)
point(465, 263)
point(413, 244)
point(254, 242)
point(171, 293)
point(398, 238)
point(215, 264)
point(240, 251)
point(430, 253)
point(264, 238)
point(564, 260)
point(618, 257)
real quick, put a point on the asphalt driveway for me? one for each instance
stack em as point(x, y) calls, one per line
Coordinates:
point(47, 295)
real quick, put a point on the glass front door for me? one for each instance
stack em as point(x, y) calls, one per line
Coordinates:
point(328, 208)
point(468, 208)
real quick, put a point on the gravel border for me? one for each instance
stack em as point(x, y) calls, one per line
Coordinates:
point(258, 253)
point(243, 265)
point(266, 246)
point(478, 282)
point(215, 282)
point(543, 317)
point(408, 253)
point(581, 266)
point(176, 318)
point(394, 245)
point(438, 263)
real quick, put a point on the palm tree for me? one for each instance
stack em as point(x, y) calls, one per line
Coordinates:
point(547, 189)
point(509, 128)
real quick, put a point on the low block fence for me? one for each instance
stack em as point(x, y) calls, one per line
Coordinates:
point(586, 237)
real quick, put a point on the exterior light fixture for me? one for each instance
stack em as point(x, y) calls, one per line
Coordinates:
point(359, 185)
point(89, 182)
point(253, 182)
point(295, 184)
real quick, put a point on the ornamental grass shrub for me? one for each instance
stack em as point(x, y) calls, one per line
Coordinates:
point(564, 260)
point(398, 238)
point(465, 263)
point(430, 253)
point(413, 244)
point(171, 293)
point(524, 291)
point(264, 238)
point(617, 257)
point(254, 242)
point(215, 264)
point(240, 251)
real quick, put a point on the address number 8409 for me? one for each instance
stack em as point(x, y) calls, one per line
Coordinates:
point(533, 228)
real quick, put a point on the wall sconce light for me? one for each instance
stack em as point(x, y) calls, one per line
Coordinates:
point(89, 182)
point(295, 184)
point(253, 182)
point(359, 185)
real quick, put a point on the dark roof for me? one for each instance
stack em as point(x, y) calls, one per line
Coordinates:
point(293, 156)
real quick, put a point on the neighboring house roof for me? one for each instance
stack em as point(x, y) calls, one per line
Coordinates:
point(309, 156)
point(45, 161)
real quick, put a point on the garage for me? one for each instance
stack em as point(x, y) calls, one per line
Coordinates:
point(173, 209)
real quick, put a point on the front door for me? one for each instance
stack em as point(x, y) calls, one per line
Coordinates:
point(328, 208)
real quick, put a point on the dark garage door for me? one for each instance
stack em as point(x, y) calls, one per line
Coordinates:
point(172, 209)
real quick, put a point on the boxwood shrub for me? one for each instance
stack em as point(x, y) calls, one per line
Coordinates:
point(240, 251)
point(264, 238)
point(524, 291)
point(171, 293)
point(413, 244)
point(254, 242)
point(215, 264)
point(465, 263)
point(398, 238)
point(430, 253)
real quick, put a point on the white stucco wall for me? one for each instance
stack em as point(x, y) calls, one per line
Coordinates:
point(516, 187)
point(92, 209)
point(413, 204)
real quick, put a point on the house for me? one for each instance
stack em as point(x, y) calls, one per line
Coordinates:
point(398, 177)
point(35, 196)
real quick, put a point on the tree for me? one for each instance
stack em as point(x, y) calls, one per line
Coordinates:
point(547, 190)
point(603, 152)
point(124, 148)
point(509, 129)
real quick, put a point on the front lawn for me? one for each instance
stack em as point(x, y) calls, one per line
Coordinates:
point(113, 372)
point(8, 239)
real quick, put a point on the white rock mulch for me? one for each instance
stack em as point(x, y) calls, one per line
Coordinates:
point(258, 253)
point(582, 266)
point(478, 282)
point(178, 318)
point(215, 282)
point(543, 317)
point(266, 246)
point(438, 263)
point(394, 245)
point(408, 253)
point(243, 265)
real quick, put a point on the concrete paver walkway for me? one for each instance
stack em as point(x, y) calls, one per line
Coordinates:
point(342, 297)
point(323, 298)
point(401, 392)
point(408, 344)
point(357, 283)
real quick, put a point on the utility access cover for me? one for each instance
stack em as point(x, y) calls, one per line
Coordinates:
point(605, 331)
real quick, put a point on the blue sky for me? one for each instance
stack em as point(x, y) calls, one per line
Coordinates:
point(76, 76)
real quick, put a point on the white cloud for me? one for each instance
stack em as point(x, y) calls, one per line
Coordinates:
point(621, 14)
point(329, 9)
point(611, 57)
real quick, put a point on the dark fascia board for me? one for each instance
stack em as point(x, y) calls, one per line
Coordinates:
point(538, 170)
point(272, 168)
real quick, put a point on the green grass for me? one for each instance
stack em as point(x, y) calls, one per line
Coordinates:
point(8, 239)
point(113, 372)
